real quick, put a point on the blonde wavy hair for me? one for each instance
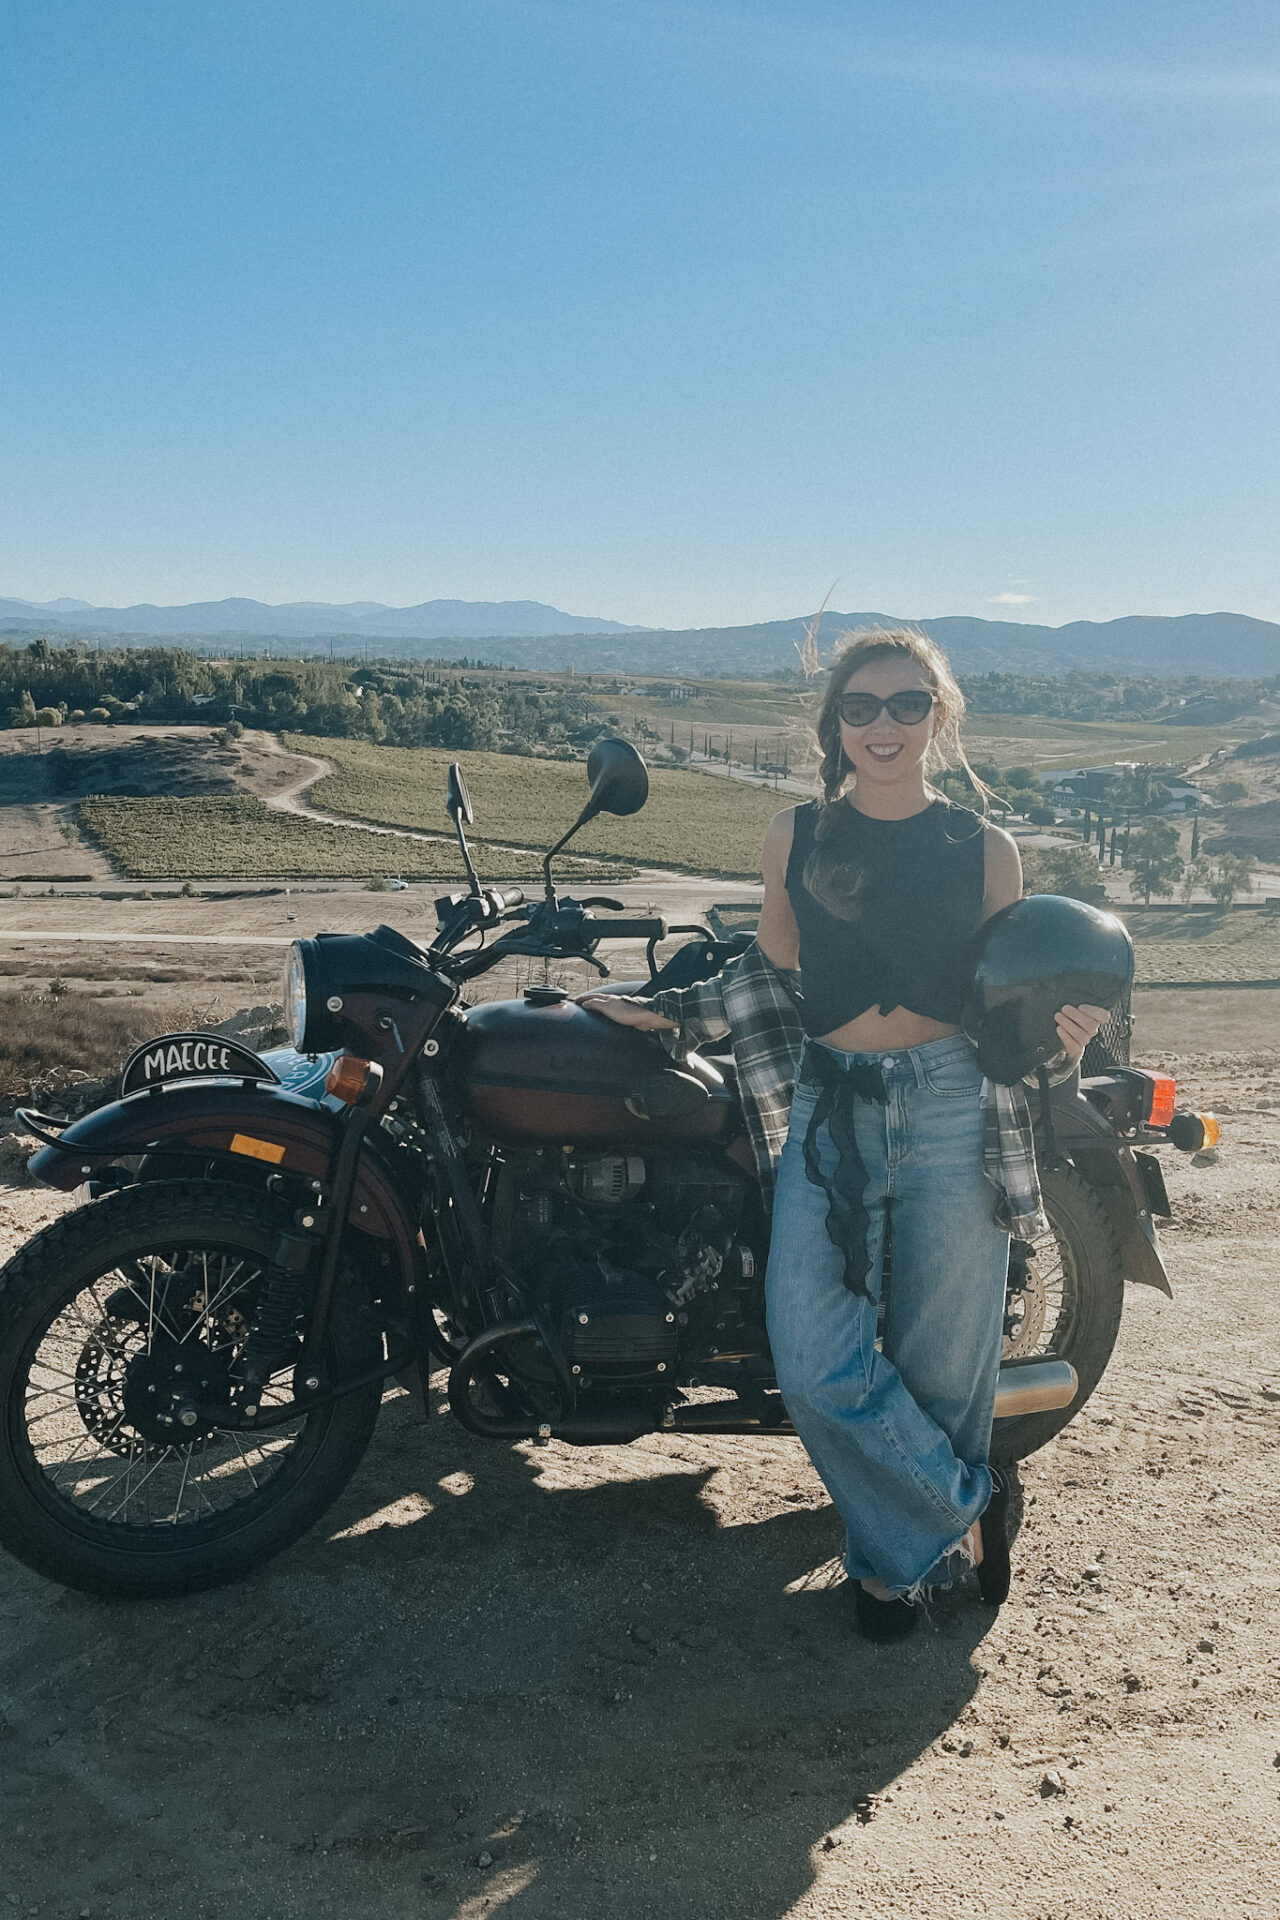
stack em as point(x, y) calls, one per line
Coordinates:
point(866, 648)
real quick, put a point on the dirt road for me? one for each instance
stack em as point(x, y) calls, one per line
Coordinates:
point(568, 1683)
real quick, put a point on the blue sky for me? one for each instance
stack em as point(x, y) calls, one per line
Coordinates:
point(675, 313)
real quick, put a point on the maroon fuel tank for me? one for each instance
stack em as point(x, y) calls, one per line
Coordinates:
point(545, 1070)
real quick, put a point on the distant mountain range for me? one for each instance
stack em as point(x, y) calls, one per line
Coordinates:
point(310, 619)
point(524, 633)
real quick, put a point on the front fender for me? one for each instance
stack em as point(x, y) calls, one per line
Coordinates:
point(1108, 1164)
point(260, 1124)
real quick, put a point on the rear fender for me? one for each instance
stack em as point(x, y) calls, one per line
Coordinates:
point(261, 1125)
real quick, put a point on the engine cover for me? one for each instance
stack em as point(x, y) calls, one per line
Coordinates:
point(625, 1334)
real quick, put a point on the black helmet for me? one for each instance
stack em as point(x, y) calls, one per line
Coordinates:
point(1030, 959)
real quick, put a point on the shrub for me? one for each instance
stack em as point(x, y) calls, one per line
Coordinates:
point(1072, 871)
point(1229, 875)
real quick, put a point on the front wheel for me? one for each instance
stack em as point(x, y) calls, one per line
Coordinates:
point(1066, 1300)
point(102, 1315)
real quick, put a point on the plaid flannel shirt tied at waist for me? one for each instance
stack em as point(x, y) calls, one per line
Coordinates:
point(756, 1007)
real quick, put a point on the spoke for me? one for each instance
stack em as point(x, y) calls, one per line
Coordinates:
point(142, 1483)
point(68, 1394)
point(211, 1306)
point(103, 1491)
point(55, 1371)
point(68, 1405)
point(182, 1487)
point(76, 1451)
point(240, 1450)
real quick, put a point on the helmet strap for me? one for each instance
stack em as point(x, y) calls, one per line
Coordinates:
point(1046, 1119)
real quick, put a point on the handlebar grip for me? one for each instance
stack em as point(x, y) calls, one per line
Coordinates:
point(628, 929)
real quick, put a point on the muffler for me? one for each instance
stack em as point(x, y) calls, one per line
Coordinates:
point(1034, 1385)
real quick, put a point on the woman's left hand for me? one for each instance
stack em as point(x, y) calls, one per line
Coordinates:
point(1077, 1027)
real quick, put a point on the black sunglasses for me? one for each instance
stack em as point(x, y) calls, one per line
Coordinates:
point(908, 708)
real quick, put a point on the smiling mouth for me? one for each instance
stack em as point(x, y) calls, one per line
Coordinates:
point(886, 752)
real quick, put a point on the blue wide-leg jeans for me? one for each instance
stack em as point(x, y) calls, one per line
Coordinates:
point(899, 1436)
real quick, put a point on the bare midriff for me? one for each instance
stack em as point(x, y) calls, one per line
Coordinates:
point(876, 1032)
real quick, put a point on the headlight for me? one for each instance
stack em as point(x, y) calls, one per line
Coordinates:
point(295, 997)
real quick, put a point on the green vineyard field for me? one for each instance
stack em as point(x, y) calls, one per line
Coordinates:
point(694, 822)
point(240, 838)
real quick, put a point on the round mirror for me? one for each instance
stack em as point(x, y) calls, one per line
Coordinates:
point(618, 776)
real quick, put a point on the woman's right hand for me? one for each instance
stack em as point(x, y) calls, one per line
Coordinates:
point(627, 1010)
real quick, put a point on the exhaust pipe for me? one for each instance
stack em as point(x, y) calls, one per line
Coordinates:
point(1030, 1385)
point(1034, 1385)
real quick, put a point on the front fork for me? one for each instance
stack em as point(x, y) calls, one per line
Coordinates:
point(275, 1321)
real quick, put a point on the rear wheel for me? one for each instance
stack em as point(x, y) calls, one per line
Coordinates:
point(1069, 1304)
point(120, 1326)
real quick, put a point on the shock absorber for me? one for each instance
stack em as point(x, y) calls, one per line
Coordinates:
point(273, 1335)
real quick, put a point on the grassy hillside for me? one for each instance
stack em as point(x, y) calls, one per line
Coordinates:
point(692, 821)
point(243, 839)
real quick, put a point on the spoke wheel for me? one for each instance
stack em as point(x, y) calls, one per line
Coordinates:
point(1070, 1305)
point(120, 1328)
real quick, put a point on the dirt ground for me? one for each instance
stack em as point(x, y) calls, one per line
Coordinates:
point(561, 1683)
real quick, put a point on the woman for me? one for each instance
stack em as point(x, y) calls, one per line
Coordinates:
point(875, 891)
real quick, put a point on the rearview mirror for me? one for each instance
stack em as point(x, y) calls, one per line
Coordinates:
point(458, 802)
point(619, 779)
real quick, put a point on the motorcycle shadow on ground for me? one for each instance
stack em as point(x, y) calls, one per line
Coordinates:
point(543, 1682)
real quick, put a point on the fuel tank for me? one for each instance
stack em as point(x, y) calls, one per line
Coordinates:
point(544, 1069)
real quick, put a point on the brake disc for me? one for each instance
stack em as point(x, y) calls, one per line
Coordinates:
point(1026, 1315)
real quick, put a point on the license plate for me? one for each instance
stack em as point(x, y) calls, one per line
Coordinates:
point(1153, 1185)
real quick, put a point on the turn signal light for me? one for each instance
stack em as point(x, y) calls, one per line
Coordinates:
point(352, 1080)
point(1161, 1100)
point(1212, 1129)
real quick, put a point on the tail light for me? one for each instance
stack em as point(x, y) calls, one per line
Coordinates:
point(1162, 1099)
point(1194, 1132)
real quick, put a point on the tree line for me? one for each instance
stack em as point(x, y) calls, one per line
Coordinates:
point(1178, 699)
point(418, 705)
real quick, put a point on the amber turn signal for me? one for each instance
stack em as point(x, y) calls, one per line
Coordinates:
point(1212, 1129)
point(1162, 1099)
point(352, 1080)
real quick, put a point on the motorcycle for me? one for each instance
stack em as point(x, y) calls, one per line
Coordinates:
point(531, 1196)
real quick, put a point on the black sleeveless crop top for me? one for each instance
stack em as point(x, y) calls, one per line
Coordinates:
point(886, 911)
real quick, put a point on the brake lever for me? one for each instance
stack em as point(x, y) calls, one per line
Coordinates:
point(602, 900)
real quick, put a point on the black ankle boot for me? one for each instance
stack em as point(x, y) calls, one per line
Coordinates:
point(994, 1571)
point(884, 1619)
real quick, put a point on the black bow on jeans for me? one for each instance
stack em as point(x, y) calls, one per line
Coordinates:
point(848, 1219)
